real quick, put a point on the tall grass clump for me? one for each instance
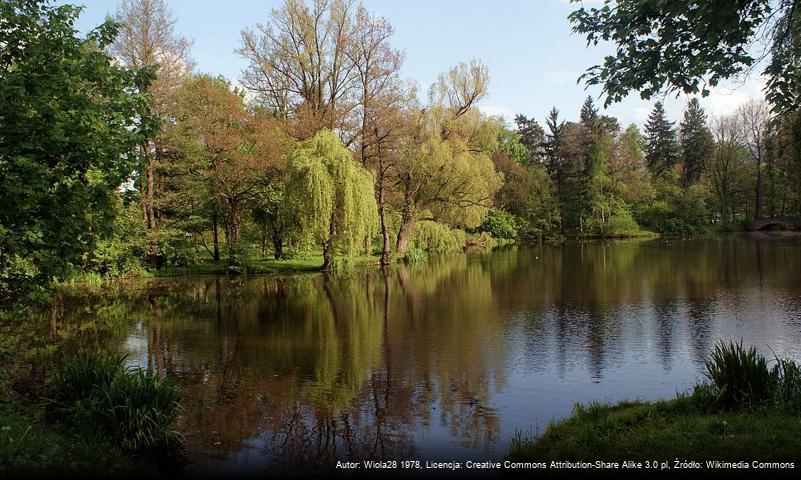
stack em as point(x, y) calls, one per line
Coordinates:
point(741, 378)
point(787, 378)
point(134, 409)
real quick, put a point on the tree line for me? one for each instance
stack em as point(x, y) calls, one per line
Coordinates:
point(117, 157)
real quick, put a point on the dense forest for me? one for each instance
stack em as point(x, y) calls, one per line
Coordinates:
point(118, 158)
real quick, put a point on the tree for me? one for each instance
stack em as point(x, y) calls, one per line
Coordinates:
point(381, 100)
point(662, 146)
point(755, 117)
point(660, 47)
point(532, 137)
point(332, 196)
point(147, 39)
point(552, 144)
point(235, 152)
point(445, 168)
point(588, 111)
point(301, 66)
point(727, 162)
point(696, 142)
point(70, 119)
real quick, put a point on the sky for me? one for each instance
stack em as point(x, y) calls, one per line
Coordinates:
point(533, 57)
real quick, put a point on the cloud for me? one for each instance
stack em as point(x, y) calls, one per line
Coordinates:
point(496, 110)
point(722, 100)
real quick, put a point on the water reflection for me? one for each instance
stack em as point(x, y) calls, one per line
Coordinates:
point(445, 360)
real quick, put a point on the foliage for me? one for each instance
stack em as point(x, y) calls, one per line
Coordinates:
point(122, 253)
point(71, 119)
point(499, 224)
point(133, 408)
point(330, 195)
point(660, 48)
point(663, 149)
point(430, 236)
point(414, 256)
point(696, 142)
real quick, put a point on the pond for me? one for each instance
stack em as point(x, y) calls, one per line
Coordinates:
point(446, 360)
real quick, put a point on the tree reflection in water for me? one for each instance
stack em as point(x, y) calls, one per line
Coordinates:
point(449, 356)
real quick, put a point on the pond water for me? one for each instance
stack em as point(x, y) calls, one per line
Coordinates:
point(446, 360)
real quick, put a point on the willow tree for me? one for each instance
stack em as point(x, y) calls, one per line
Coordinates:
point(332, 198)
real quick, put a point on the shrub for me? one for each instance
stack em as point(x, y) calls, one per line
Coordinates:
point(134, 409)
point(499, 224)
point(740, 376)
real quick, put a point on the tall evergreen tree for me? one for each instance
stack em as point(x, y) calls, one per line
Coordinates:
point(696, 142)
point(532, 136)
point(663, 149)
point(588, 111)
point(553, 140)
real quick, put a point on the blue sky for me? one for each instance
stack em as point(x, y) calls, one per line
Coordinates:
point(532, 55)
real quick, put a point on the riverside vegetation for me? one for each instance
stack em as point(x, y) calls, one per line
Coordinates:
point(118, 159)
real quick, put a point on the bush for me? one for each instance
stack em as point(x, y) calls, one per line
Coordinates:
point(499, 224)
point(132, 408)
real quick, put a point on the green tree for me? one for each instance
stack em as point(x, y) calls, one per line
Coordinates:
point(663, 151)
point(696, 142)
point(147, 38)
point(70, 119)
point(331, 196)
point(690, 45)
point(233, 152)
point(532, 137)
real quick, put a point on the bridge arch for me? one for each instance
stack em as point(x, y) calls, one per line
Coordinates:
point(787, 223)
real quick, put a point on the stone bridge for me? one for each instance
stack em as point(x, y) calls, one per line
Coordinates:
point(788, 223)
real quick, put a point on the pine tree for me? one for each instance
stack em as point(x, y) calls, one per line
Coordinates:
point(588, 111)
point(532, 136)
point(552, 141)
point(663, 149)
point(696, 142)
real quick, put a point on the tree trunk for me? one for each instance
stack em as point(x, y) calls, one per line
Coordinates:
point(278, 246)
point(405, 231)
point(151, 211)
point(328, 246)
point(382, 215)
point(758, 193)
point(326, 256)
point(215, 234)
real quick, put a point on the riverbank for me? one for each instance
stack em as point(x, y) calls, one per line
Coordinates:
point(665, 431)
point(30, 446)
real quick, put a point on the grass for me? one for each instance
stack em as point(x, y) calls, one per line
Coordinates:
point(133, 409)
point(748, 411)
point(31, 446)
point(665, 430)
point(300, 264)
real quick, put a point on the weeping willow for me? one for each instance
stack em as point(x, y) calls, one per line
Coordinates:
point(331, 197)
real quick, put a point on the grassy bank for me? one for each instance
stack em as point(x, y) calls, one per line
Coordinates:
point(91, 417)
point(749, 410)
point(30, 446)
point(666, 430)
